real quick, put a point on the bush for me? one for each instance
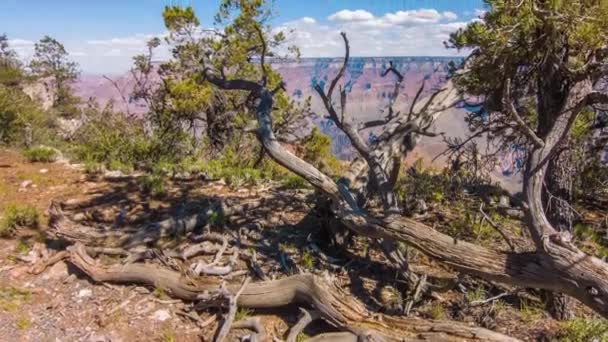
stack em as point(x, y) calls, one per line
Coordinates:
point(584, 330)
point(295, 182)
point(153, 185)
point(40, 154)
point(18, 216)
point(17, 111)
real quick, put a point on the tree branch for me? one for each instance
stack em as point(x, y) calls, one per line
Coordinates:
point(509, 108)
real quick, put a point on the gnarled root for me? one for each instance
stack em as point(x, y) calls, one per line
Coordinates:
point(334, 306)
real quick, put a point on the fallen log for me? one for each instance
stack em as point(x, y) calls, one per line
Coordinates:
point(335, 306)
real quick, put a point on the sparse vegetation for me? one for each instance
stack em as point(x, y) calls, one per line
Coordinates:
point(581, 329)
point(40, 154)
point(11, 298)
point(15, 216)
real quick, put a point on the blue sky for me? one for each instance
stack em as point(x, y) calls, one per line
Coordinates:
point(102, 36)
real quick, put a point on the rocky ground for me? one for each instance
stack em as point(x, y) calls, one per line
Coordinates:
point(63, 304)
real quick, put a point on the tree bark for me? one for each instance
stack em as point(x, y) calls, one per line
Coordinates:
point(558, 201)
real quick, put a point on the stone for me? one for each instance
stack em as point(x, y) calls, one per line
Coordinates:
point(161, 315)
point(504, 202)
point(25, 184)
point(114, 175)
point(84, 293)
point(79, 217)
point(57, 271)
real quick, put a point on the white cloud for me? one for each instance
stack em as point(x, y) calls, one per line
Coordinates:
point(309, 20)
point(419, 16)
point(351, 16)
point(402, 33)
point(479, 13)
point(418, 32)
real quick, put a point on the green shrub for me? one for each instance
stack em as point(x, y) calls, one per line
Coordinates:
point(40, 154)
point(15, 216)
point(153, 185)
point(295, 182)
point(581, 329)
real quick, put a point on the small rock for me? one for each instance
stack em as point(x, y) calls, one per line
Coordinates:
point(79, 217)
point(113, 175)
point(161, 315)
point(57, 271)
point(44, 170)
point(421, 206)
point(504, 202)
point(84, 293)
point(98, 338)
point(25, 184)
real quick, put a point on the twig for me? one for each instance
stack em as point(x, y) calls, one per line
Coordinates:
point(306, 317)
point(492, 299)
point(495, 226)
point(43, 265)
point(232, 299)
point(416, 295)
point(123, 304)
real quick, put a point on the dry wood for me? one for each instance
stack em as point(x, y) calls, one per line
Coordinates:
point(306, 317)
point(232, 302)
point(335, 306)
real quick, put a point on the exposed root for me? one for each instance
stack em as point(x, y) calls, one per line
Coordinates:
point(232, 302)
point(334, 306)
point(306, 317)
point(252, 324)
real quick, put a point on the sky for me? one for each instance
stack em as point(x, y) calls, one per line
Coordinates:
point(103, 36)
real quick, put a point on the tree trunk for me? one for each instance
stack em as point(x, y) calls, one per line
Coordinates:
point(558, 201)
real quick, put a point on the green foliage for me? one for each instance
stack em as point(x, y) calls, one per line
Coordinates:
point(11, 298)
point(541, 48)
point(529, 311)
point(153, 185)
point(307, 260)
point(591, 241)
point(436, 311)
point(121, 143)
point(581, 329)
point(15, 216)
point(168, 334)
point(22, 247)
point(51, 63)
point(11, 73)
point(42, 154)
point(478, 294)
point(294, 182)
point(18, 111)
point(317, 151)
point(242, 313)
point(422, 183)
point(22, 323)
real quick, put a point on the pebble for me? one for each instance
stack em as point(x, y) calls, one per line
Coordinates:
point(84, 293)
point(161, 315)
point(44, 170)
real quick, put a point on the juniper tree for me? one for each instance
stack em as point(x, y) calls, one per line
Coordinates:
point(52, 65)
point(535, 65)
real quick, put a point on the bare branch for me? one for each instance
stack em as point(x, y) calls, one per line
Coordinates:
point(334, 82)
point(263, 55)
point(509, 108)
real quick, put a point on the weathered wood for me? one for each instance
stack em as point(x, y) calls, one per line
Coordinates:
point(336, 307)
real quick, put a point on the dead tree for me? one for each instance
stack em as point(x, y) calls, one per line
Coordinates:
point(556, 265)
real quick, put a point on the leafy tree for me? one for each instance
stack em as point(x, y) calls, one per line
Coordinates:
point(11, 73)
point(51, 63)
point(535, 65)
